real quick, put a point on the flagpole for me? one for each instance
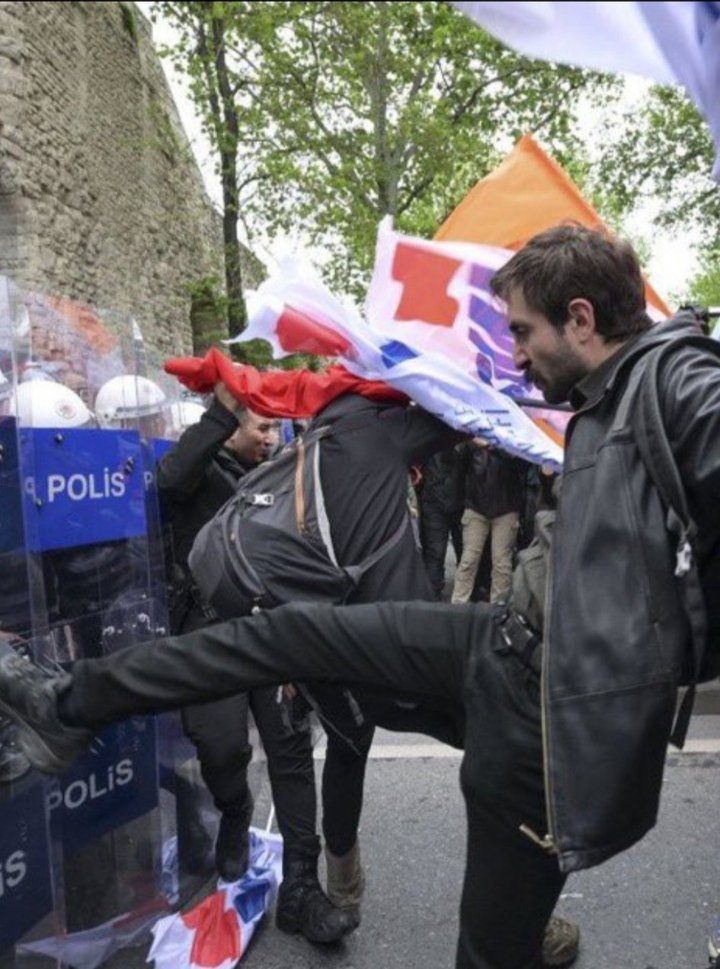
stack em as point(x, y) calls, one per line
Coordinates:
point(543, 405)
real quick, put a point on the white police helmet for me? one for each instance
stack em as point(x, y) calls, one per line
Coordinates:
point(45, 403)
point(125, 399)
point(183, 414)
point(5, 393)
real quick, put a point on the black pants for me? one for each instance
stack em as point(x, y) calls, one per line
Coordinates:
point(436, 526)
point(450, 657)
point(219, 731)
point(349, 731)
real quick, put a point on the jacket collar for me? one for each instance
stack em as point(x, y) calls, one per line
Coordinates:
point(588, 391)
point(593, 387)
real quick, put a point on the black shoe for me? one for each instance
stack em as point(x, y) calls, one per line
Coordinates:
point(28, 695)
point(303, 907)
point(232, 848)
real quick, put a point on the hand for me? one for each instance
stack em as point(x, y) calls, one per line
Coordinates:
point(289, 691)
point(227, 399)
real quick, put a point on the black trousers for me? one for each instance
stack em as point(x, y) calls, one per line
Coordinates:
point(436, 527)
point(451, 658)
point(349, 731)
point(219, 731)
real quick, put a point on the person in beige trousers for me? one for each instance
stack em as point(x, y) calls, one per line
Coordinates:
point(494, 485)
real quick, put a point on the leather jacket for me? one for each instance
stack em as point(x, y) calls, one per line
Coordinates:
point(494, 480)
point(616, 636)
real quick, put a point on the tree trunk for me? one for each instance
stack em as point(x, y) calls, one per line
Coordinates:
point(237, 314)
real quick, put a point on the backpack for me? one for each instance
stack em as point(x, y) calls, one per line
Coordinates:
point(646, 421)
point(271, 542)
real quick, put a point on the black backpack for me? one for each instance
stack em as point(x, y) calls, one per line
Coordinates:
point(643, 399)
point(271, 542)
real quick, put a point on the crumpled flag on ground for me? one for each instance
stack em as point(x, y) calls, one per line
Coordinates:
point(217, 932)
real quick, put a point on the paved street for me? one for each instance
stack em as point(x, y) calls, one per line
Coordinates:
point(648, 909)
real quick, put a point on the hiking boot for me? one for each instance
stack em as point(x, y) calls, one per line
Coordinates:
point(28, 695)
point(346, 880)
point(232, 848)
point(714, 947)
point(561, 942)
point(303, 907)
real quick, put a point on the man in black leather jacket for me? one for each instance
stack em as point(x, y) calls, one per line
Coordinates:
point(548, 757)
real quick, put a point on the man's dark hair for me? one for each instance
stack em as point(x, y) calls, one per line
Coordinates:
point(572, 262)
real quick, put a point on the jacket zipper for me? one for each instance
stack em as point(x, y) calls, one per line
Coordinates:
point(549, 841)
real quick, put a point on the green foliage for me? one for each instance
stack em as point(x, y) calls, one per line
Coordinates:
point(663, 149)
point(347, 112)
point(704, 289)
point(129, 21)
point(166, 138)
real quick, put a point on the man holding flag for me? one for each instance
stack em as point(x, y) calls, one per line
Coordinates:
point(566, 700)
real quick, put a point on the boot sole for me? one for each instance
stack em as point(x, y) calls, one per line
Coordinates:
point(560, 963)
point(293, 927)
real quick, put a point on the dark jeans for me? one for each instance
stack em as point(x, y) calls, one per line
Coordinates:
point(436, 526)
point(451, 657)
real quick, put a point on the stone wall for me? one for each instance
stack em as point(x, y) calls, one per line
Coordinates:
point(100, 197)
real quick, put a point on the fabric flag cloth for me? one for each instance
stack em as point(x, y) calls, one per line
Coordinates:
point(432, 328)
point(417, 335)
point(279, 393)
point(672, 41)
point(526, 194)
point(216, 933)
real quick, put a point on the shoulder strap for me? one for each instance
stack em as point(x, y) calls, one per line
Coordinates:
point(308, 475)
point(356, 572)
point(652, 441)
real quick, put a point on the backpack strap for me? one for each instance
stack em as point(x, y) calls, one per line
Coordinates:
point(309, 463)
point(652, 441)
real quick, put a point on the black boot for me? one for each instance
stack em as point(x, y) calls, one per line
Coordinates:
point(303, 907)
point(232, 848)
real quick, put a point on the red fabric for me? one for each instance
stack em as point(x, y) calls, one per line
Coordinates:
point(280, 393)
point(299, 333)
point(217, 932)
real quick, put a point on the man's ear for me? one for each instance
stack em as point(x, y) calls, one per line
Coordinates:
point(581, 319)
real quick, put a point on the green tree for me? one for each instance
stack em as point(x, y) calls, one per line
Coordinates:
point(662, 149)
point(704, 289)
point(204, 31)
point(343, 113)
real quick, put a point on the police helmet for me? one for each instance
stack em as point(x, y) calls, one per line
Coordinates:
point(45, 403)
point(126, 399)
point(183, 414)
point(5, 394)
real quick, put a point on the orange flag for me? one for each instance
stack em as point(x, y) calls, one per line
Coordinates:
point(526, 194)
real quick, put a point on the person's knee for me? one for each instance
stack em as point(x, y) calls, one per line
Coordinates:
point(223, 757)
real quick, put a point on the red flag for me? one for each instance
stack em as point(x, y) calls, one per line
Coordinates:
point(277, 393)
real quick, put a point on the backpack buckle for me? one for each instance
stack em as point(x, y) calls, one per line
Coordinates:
point(684, 558)
point(265, 500)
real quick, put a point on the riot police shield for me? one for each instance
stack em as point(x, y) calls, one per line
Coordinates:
point(76, 583)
